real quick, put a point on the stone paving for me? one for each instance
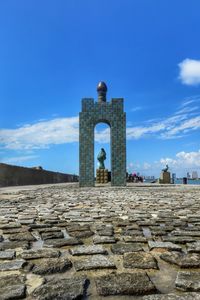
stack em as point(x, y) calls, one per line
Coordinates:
point(65, 242)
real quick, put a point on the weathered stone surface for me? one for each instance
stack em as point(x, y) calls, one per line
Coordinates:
point(122, 248)
point(139, 261)
point(104, 240)
point(1, 238)
point(186, 233)
point(178, 239)
point(10, 225)
point(40, 253)
point(51, 265)
point(22, 236)
point(135, 239)
point(132, 232)
point(82, 234)
point(12, 265)
point(9, 254)
point(94, 262)
point(13, 245)
point(77, 227)
point(190, 260)
point(124, 284)
point(13, 292)
point(155, 209)
point(185, 296)
point(57, 243)
point(105, 230)
point(88, 250)
point(193, 247)
point(188, 281)
point(166, 245)
point(52, 235)
point(15, 230)
point(10, 280)
point(62, 289)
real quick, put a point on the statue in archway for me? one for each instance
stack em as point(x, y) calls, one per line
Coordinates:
point(166, 168)
point(101, 157)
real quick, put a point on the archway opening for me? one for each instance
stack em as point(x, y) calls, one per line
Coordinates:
point(102, 137)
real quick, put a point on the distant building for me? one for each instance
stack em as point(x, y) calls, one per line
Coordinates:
point(173, 177)
point(194, 175)
point(188, 175)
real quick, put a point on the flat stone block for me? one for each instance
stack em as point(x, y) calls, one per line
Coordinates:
point(139, 261)
point(94, 262)
point(13, 292)
point(124, 284)
point(166, 245)
point(57, 243)
point(40, 253)
point(9, 254)
point(188, 281)
point(51, 266)
point(88, 250)
point(104, 239)
point(62, 288)
point(13, 265)
point(122, 248)
point(190, 260)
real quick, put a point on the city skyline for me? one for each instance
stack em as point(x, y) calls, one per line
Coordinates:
point(54, 54)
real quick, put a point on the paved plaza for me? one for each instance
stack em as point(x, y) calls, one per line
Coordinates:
point(65, 242)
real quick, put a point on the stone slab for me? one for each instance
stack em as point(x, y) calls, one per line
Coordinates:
point(88, 250)
point(94, 262)
point(124, 284)
point(40, 253)
point(58, 243)
point(46, 266)
point(190, 260)
point(139, 261)
point(62, 288)
point(9, 254)
point(165, 245)
point(12, 265)
point(188, 281)
point(122, 248)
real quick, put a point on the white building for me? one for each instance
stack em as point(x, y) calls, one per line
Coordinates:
point(194, 175)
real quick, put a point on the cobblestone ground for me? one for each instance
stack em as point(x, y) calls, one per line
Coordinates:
point(62, 242)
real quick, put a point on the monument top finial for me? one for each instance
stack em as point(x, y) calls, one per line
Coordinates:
point(102, 89)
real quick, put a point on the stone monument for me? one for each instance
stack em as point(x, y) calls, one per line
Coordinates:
point(165, 175)
point(111, 113)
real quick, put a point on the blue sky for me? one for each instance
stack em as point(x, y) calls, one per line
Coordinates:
point(53, 53)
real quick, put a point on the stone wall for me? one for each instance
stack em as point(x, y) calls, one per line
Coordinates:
point(14, 175)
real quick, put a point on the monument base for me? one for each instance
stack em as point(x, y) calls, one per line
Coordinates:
point(101, 176)
point(165, 177)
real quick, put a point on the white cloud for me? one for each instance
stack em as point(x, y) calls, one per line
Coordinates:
point(102, 136)
point(18, 159)
point(41, 134)
point(189, 71)
point(183, 162)
point(136, 108)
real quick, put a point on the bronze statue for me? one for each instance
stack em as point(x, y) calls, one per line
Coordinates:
point(165, 169)
point(101, 157)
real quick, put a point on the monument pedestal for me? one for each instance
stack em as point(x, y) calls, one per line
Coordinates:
point(101, 175)
point(165, 177)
